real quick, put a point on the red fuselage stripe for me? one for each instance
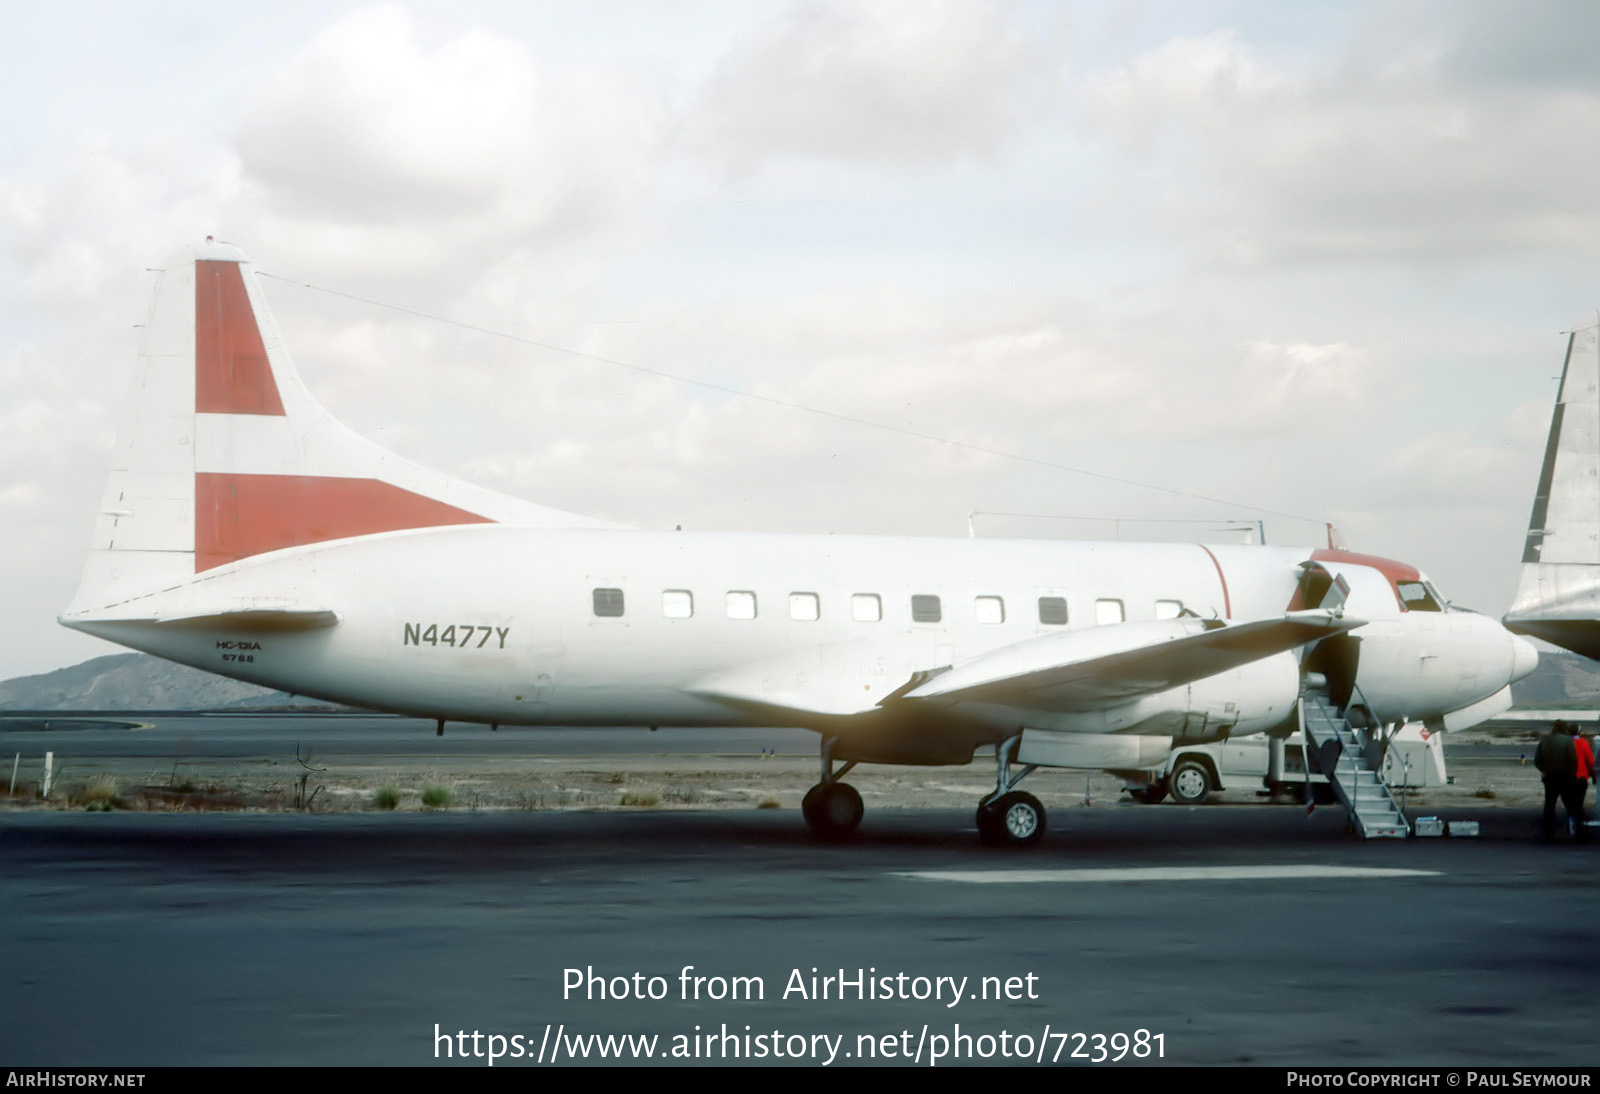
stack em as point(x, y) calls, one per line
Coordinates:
point(1227, 603)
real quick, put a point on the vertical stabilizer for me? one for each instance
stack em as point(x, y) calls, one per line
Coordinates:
point(223, 455)
point(1558, 596)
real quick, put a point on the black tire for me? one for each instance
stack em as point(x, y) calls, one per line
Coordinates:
point(1190, 782)
point(1015, 819)
point(1154, 794)
point(835, 810)
point(808, 804)
point(988, 822)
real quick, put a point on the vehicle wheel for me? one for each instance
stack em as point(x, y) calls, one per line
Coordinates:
point(1322, 794)
point(1016, 819)
point(833, 811)
point(1154, 794)
point(1190, 782)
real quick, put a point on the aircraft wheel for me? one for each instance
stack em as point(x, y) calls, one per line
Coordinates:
point(833, 810)
point(1190, 782)
point(988, 821)
point(1154, 794)
point(1016, 819)
point(808, 804)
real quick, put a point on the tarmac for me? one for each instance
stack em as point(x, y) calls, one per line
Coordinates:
point(1230, 933)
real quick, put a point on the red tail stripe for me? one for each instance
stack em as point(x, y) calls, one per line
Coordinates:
point(231, 374)
point(237, 516)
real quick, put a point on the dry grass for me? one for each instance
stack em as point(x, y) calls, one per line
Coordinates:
point(99, 794)
point(538, 783)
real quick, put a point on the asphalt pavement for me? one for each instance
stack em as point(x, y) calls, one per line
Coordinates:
point(1227, 934)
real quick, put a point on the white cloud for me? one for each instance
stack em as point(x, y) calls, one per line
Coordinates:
point(83, 230)
point(1394, 158)
point(374, 154)
point(887, 82)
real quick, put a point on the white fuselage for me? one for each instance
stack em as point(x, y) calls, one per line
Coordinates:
point(499, 624)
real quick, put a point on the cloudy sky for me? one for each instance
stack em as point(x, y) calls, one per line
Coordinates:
point(1313, 259)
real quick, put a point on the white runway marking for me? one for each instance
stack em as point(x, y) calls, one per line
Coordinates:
point(1166, 873)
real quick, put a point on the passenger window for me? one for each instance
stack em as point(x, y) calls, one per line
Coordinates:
point(1053, 611)
point(866, 608)
point(925, 609)
point(989, 609)
point(1169, 609)
point(677, 603)
point(1108, 611)
point(741, 605)
point(804, 607)
point(608, 603)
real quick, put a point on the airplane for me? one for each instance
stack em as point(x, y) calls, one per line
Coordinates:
point(247, 532)
point(1558, 591)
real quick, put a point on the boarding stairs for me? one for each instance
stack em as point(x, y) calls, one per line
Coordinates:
point(1351, 757)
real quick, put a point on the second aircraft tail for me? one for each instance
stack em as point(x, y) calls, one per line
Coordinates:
point(1558, 595)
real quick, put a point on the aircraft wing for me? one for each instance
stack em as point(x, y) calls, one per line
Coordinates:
point(1058, 673)
point(1080, 670)
point(837, 680)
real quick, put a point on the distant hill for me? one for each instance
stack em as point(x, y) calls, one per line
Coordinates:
point(137, 681)
point(1562, 680)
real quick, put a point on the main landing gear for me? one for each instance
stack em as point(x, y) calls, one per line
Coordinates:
point(1010, 816)
point(833, 809)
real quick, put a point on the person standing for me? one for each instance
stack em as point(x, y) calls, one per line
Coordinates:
point(1578, 788)
point(1557, 761)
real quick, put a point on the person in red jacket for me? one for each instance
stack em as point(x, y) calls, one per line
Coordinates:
point(1578, 785)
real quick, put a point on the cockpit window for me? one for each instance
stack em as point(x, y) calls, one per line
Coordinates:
point(1417, 596)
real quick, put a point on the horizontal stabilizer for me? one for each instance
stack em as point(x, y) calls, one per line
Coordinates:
point(1581, 636)
point(1102, 667)
point(253, 614)
point(261, 619)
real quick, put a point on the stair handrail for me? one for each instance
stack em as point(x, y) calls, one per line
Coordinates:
point(1376, 748)
point(1371, 742)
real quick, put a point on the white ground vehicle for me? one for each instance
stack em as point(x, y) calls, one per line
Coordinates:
point(1193, 772)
